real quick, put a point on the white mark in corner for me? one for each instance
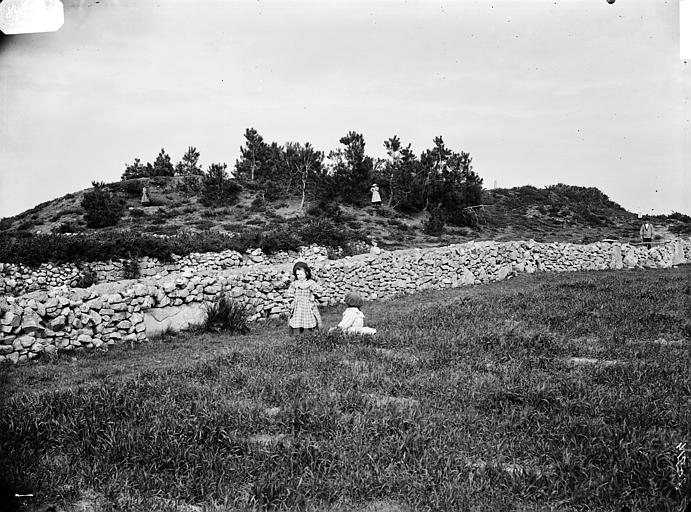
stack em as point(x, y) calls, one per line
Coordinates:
point(30, 16)
point(684, 29)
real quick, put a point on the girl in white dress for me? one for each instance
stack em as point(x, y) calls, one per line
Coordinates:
point(376, 198)
point(353, 319)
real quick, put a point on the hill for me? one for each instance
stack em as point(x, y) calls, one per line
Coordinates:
point(555, 213)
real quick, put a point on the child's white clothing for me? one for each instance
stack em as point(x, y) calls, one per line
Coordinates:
point(354, 322)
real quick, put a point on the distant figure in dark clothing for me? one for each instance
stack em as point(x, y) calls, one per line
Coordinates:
point(647, 232)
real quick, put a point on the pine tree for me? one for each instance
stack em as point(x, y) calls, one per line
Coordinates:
point(189, 165)
point(162, 165)
point(102, 209)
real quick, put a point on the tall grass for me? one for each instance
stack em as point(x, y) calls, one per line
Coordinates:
point(465, 400)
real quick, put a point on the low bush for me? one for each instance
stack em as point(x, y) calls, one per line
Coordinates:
point(203, 224)
point(131, 188)
point(280, 240)
point(26, 225)
point(137, 212)
point(226, 315)
point(681, 229)
point(5, 223)
point(258, 204)
point(68, 227)
point(681, 217)
point(101, 207)
point(434, 225)
point(88, 278)
point(326, 209)
point(323, 231)
point(130, 268)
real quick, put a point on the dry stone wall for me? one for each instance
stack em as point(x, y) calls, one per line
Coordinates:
point(131, 311)
point(18, 280)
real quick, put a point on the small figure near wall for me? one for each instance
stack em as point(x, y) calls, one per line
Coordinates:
point(647, 232)
point(376, 198)
point(353, 321)
point(145, 197)
point(375, 250)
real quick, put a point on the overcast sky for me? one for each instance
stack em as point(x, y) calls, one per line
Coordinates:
point(538, 92)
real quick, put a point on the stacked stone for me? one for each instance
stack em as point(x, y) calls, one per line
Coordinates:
point(20, 279)
point(105, 314)
point(212, 261)
point(16, 280)
point(313, 252)
point(43, 322)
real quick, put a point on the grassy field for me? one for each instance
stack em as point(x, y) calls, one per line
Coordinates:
point(467, 399)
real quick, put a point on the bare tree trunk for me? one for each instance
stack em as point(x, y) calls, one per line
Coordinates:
point(304, 186)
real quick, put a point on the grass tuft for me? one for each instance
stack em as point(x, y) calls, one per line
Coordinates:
point(226, 315)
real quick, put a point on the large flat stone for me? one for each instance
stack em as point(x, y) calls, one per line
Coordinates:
point(176, 318)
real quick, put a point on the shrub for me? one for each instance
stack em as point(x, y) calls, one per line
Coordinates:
point(88, 278)
point(68, 227)
point(226, 315)
point(102, 209)
point(26, 225)
point(160, 181)
point(203, 224)
point(137, 212)
point(279, 240)
point(681, 229)
point(191, 184)
point(130, 268)
point(218, 189)
point(32, 250)
point(131, 188)
point(679, 216)
point(272, 191)
point(5, 223)
point(258, 204)
point(434, 225)
point(329, 209)
point(324, 232)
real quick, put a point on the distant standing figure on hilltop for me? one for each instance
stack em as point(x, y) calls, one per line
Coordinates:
point(145, 197)
point(305, 313)
point(647, 232)
point(376, 198)
point(375, 250)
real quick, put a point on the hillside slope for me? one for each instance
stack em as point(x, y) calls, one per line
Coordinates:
point(555, 213)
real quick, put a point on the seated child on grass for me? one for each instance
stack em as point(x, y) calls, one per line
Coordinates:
point(353, 320)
